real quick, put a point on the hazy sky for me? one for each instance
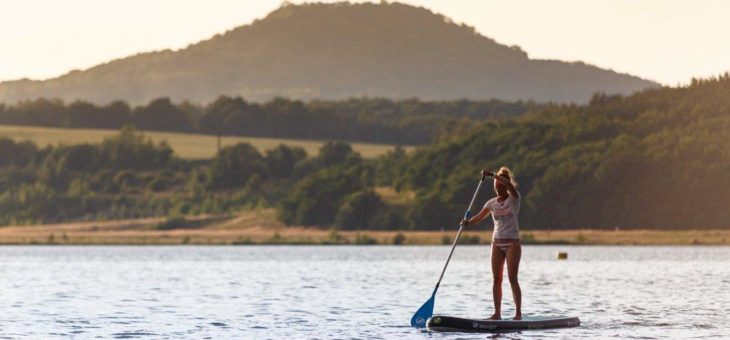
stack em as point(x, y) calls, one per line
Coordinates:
point(669, 41)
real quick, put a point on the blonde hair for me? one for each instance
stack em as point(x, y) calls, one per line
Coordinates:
point(507, 173)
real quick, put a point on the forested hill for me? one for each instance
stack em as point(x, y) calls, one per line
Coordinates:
point(657, 159)
point(334, 51)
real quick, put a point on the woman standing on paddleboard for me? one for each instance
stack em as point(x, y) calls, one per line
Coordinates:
point(505, 238)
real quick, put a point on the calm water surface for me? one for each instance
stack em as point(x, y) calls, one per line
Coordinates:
point(302, 292)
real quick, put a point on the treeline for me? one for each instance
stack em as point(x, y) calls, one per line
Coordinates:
point(655, 159)
point(365, 120)
point(128, 176)
point(84, 182)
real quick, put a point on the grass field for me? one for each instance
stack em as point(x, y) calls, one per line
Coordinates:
point(262, 227)
point(190, 146)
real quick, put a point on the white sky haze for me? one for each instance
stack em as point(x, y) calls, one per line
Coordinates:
point(669, 41)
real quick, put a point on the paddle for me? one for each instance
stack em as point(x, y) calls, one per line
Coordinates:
point(426, 311)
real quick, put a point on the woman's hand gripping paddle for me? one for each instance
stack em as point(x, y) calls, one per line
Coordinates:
point(426, 311)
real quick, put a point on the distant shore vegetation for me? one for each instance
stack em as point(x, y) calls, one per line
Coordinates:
point(655, 159)
point(370, 120)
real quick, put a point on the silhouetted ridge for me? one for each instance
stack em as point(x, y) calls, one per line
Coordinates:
point(334, 51)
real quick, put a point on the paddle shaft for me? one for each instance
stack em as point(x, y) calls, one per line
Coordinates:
point(461, 227)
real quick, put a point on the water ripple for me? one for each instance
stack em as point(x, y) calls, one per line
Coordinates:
point(347, 292)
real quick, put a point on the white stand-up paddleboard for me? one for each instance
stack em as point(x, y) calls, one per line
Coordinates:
point(441, 323)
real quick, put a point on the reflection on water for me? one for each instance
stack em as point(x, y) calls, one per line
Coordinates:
point(351, 291)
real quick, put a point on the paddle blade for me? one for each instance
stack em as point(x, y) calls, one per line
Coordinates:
point(426, 311)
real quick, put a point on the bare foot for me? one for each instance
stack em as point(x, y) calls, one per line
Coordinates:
point(495, 316)
point(517, 317)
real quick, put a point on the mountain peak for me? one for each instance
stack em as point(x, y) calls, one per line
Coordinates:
point(334, 51)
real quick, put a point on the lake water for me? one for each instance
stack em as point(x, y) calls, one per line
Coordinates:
point(302, 292)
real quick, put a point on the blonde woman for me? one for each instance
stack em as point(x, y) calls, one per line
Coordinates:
point(505, 239)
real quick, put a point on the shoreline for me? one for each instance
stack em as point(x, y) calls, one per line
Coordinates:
point(261, 228)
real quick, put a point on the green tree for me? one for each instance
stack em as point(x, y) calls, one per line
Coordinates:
point(132, 150)
point(281, 160)
point(389, 218)
point(429, 212)
point(162, 115)
point(335, 153)
point(117, 114)
point(234, 165)
point(357, 210)
point(84, 114)
point(314, 200)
